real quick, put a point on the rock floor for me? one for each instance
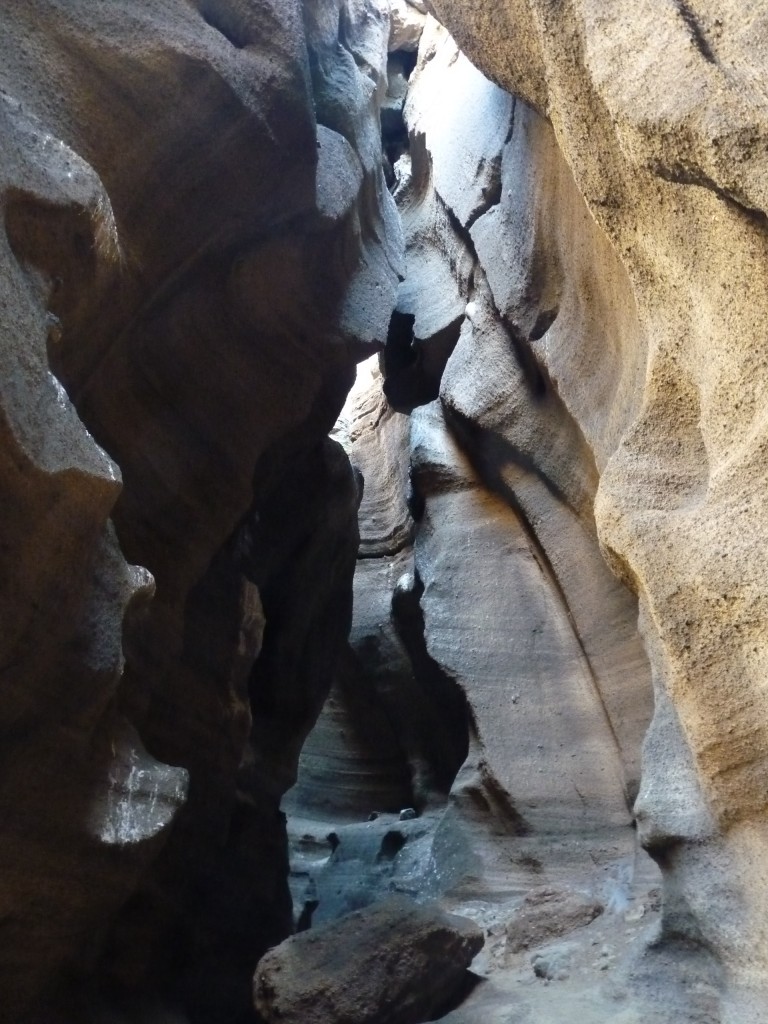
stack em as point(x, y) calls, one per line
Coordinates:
point(588, 973)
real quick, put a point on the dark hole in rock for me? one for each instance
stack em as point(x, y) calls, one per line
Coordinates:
point(412, 367)
point(391, 845)
point(394, 132)
point(468, 985)
point(334, 841)
point(304, 922)
point(544, 321)
point(405, 60)
point(448, 736)
point(399, 352)
point(227, 23)
point(415, 499)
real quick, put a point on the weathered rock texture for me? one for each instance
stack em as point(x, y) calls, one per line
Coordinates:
point(609, 360)
point(546, 914)
point(493, 652)
point(197, 246)
point(504, 265)
point(394, 733)
point(396, 963)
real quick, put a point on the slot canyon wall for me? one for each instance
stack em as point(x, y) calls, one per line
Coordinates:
point(657, 111)
point(197, 247)
point(518, 595)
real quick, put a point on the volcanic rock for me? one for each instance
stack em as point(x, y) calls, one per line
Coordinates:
point(394, 963)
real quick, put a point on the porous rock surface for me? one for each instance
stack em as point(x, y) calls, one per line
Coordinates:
point(196, 248)
point(395, 963)
point(520, 610)
point(546, 914)
point(607, 385)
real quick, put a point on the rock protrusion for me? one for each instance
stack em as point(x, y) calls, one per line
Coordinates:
point(547, 914)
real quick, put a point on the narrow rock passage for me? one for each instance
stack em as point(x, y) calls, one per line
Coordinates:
point(496, 681)
point(478, 650)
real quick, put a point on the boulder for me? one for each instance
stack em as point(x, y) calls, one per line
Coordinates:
point(397, 962)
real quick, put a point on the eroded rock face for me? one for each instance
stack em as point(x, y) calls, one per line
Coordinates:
point(197, 247)
point(520, 608)
point(494, 653)
point(634, 312)
point(395, 730)
point(82, 802)
point(395, 963)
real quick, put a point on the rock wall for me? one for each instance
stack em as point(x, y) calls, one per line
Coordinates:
point(561, 526)
point(517, 598)
point(494, 655)
point(197, 247)
point(574, 343)
point(618, 229)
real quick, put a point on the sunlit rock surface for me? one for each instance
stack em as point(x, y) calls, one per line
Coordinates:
point(639, 305)
point(520, 610)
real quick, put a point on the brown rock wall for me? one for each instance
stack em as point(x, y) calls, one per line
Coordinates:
point(198, 243)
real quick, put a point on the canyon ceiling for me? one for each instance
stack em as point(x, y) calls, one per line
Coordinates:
point(487, 629)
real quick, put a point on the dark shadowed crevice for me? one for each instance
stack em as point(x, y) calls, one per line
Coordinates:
point(394, 132)
point(227, 23)
point(535, 378)
point(682, 174)
point(448, 735)
point(697, 33)
point(414, 368)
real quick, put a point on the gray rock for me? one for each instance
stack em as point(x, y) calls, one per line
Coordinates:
point(553, 964)
point(395, 963)
point(406, 27)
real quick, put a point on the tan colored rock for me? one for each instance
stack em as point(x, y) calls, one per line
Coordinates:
point(655, 110)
